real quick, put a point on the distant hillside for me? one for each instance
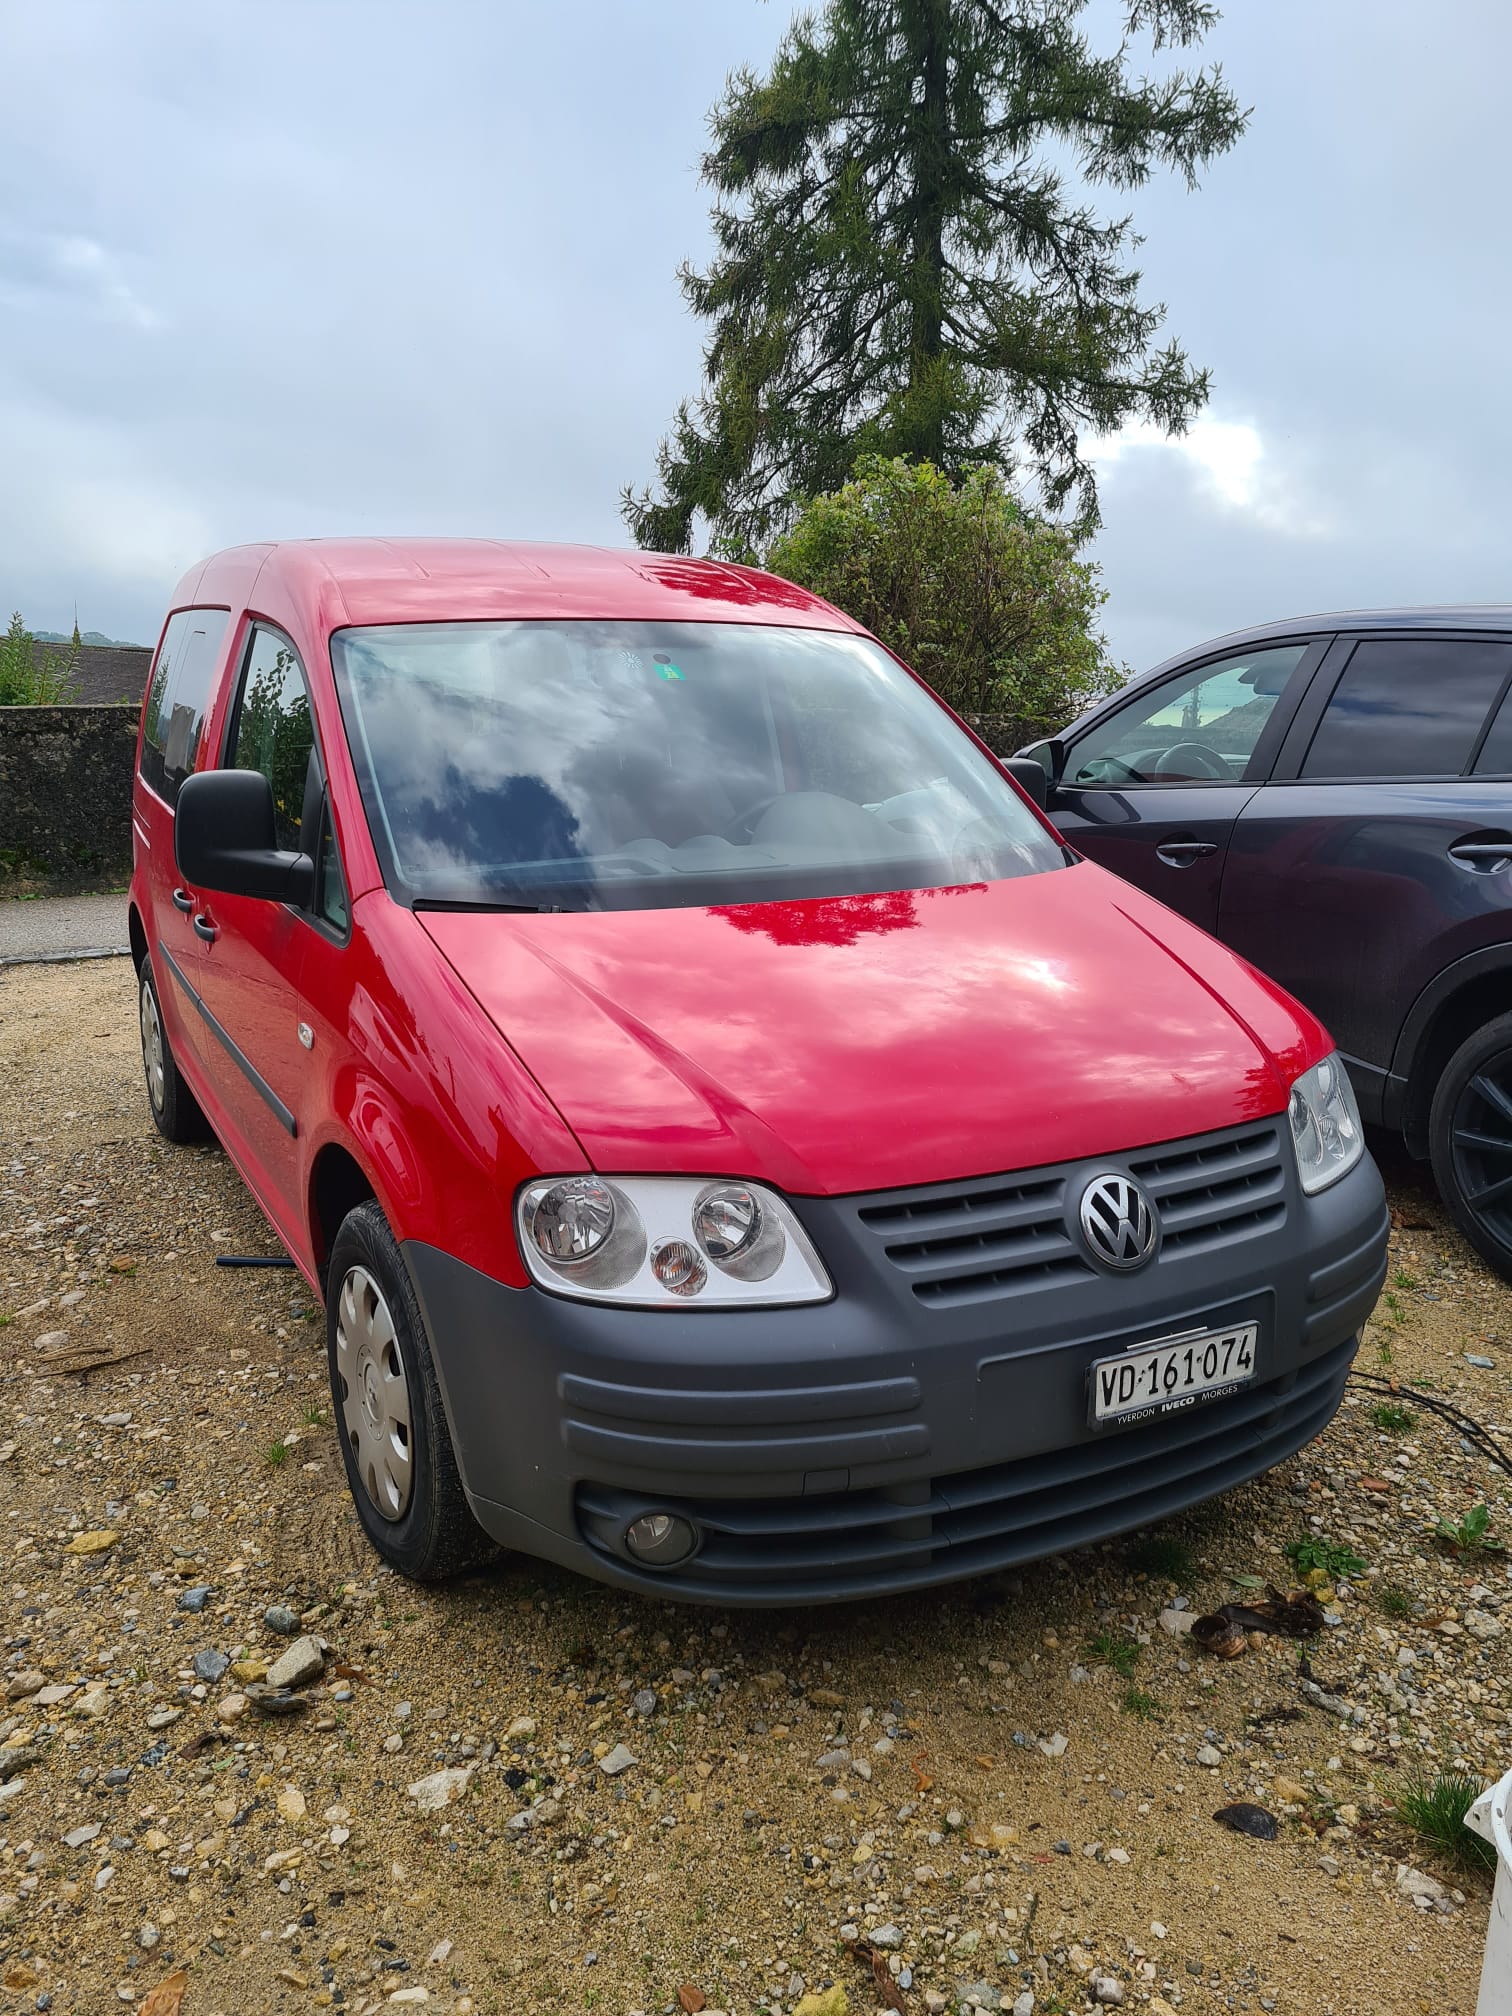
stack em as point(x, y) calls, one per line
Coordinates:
point(96, 637)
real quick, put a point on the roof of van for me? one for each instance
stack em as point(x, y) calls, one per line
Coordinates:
point(431, 580)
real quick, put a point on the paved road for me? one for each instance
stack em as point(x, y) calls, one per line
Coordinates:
point(61, 927)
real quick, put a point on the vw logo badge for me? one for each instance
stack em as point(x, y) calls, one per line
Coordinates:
point(1118, 1222)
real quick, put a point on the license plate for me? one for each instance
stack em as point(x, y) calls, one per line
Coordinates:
point(1174, 1373)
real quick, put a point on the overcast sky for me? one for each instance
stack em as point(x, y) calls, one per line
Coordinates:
point(277, 269)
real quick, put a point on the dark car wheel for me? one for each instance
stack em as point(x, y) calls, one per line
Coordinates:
point(1470, 1138)
point(175, 1110)
point(394, 1438)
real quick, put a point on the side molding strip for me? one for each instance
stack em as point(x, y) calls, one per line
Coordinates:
point(242, 1062)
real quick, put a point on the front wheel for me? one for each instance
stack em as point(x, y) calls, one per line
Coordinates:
point(394, 1439)
point(175, 1111)
point(1470, 1140)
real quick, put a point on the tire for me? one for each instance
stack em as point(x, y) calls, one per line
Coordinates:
point(176, 1112)
point(395, 1443)
point(1470, 1141)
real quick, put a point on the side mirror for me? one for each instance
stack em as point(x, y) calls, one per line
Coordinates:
point(224, 838)
point(1029, 776)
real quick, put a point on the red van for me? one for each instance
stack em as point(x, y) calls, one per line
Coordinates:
point(743, 1151)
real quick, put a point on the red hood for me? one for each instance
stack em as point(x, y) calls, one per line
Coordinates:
point(867, 1042)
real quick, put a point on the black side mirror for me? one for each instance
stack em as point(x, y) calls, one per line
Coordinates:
point(224, 838)
point(1030, 777)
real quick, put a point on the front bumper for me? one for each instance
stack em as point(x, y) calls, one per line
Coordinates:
point(931, 1421)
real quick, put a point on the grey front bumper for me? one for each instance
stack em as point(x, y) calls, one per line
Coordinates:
point(929, 1422)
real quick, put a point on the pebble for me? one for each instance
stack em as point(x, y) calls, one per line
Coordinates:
point(1107, 1990)
point(1056, 1745)
point(303, 1661)
point(80, 1837)
point(209, 1666)
point(280, 1618)
point(1480, 1363)
point(644, 1702)
point(619, 1759)
point(1209, 1758)
point(440, 1788)
point(194, 1600)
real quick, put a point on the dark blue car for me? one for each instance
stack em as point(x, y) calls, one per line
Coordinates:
point(1332, 797)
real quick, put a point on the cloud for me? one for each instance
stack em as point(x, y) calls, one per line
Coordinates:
point(1229, 463)
point(99, 275)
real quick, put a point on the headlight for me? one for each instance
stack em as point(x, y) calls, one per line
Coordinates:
point(667, 1242)
point(1325, 1125)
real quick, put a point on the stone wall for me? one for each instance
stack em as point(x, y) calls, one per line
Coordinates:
point(65, 796)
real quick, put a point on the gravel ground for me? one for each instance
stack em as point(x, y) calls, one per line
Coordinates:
point(966, 1781)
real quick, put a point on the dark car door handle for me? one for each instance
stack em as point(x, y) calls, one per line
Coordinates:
point(1182, 853)
point(182, 900)
point(203, 928)
point(1484, 856)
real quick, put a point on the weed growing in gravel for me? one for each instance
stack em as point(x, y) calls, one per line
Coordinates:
point(1383, 1352)
point(1393, 1305)
point(1472, 1534)
point(1435, 1807)
point(314, 1417)
point(1109, 1649)
point(1311, 1554)
point(1402, 1279)
point(1395, 1602)
point(4, 1320)
point(276, 1455)
point(1396, 1420)
point(1158, 1554)
point(1146, 1706)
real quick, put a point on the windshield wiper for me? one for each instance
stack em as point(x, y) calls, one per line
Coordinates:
point(447, 903)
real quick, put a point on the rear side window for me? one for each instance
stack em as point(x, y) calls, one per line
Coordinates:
point(274, 731)
point(178, 695)
point(1408, 707)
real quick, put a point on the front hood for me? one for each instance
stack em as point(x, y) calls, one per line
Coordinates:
point(872, 1042)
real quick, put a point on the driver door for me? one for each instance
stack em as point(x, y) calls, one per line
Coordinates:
point(1152, 789)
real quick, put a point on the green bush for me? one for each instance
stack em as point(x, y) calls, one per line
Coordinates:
point(29, 679)
point(987, 602)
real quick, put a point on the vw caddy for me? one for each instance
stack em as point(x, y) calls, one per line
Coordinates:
point(743, 1151)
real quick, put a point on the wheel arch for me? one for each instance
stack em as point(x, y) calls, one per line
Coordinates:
point(1465, 996)
point(136, 936)
point(338, 1183)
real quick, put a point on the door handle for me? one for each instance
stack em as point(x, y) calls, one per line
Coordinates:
point(182, 900)
point(1184, 853)
point(1485, 856)
point(203, 928)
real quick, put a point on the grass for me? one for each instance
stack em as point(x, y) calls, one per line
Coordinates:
point(1108, 1648)
point(276, 1455)
point(1159, 1555)
point(1393, 1305)
point(1147, 1707)
point(314, 1417)
point(1395, 1602)
point(1395, 1420)
point(1472, 1534)
point(1383, 1352)
point(4, 1320)
point(1402, 1279)
point(1435, 1807)
point(1311, 1554)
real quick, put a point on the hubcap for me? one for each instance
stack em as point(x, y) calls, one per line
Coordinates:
point(1482, 1145)
point(152, 1048)
point(375, 1399)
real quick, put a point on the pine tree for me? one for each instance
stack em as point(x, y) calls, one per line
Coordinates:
point(903, 266)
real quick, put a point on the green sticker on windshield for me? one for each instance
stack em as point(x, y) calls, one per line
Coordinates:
point(666, 668)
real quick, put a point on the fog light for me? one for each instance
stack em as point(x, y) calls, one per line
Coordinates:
point(660, 1539)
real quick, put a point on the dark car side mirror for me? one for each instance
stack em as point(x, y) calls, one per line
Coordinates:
point(1030, 776)
point(224, 838)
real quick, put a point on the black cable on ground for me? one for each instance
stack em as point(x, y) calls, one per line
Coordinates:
point(1478, 1437)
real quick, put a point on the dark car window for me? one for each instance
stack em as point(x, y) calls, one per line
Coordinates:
point(1198, 727)
point(176, 698)
point(1495, 757)
point(1408, 707)
point(634, 766)
point(274, 729)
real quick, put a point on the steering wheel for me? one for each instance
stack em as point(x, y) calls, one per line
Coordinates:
point(1187, 758)
point(739, 828)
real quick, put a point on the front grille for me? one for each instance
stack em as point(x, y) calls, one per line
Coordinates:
point(852, 1543)
point(964, 1242)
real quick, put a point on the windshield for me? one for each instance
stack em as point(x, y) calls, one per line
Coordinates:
point(609, 766)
